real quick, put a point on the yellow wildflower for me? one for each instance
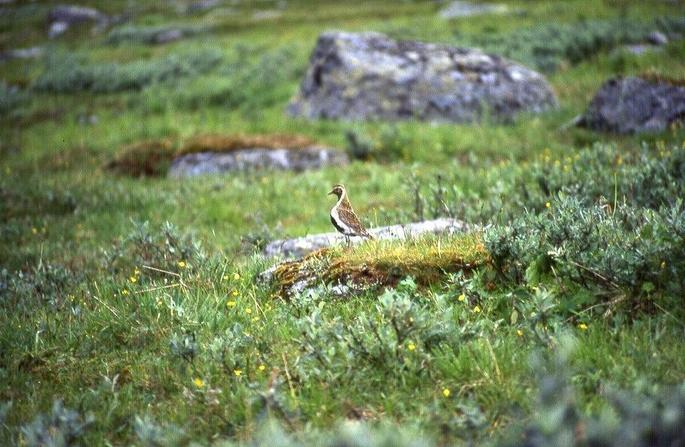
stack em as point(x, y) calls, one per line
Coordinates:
point(236, 276)
point(519, 332)
point(582, 327)
point(461, 298)
point(124, 292)
point(230, 304)
point(237, 372)
point(548, 205)
point(199, 382)
point(261, 367)
point(181, 264)
point(411, 346)
point(446, 392)
point(133, 279)
point(248, 311)
point(663, 264)
point(235, 293)
point(476, 310)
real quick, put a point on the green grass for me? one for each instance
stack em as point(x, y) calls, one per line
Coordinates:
point(86, 318)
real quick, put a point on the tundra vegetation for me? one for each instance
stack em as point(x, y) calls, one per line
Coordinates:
point(131, 306)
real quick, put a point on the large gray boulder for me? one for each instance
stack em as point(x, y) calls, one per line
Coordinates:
point(633, 105)
point(202, 163)
point(370, 76)
point(301, 246)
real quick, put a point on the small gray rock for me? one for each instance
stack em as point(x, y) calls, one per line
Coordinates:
point(168, 35)
point(61, 17)
point(201, 6)
point(640, 49)
point(657, 38)
point(301, 246)
point(21, 53)
point(254, 159)
point(633, 105)
point(370, 76)
point(458, 8)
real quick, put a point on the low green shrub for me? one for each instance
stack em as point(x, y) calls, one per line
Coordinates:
point(396, 336)
point(644, 417)
point(244, 83)
point(62, 427)
point(150, 34)
point(624, 248)
point(164, 251)
point(547, 47)
point(68, 74)
point(11, 99)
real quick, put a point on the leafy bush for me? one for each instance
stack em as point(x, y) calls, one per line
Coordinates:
point(628, 247)
point(243, 83)
point(67, 74)
point(149, 34)
point(396, 336)
point(635, 419)
point(11, 98)
point(61, 428)
point(165, 249)
point(546, 47)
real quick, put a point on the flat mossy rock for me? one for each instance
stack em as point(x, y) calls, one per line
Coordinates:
point(360, 76)
point(635, 105)
point(301, 246)
point(377, 263)
point(203, 163)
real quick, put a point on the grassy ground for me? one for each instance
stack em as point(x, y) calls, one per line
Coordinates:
point(133, 325)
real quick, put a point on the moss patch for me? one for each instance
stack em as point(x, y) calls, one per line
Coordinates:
point(384, 263)
point(153, 157)
point(144, 159)
point(228, 143)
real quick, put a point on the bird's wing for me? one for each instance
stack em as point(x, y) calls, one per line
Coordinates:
point(348, 216)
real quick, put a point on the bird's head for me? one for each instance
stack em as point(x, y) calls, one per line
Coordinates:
point(338, 190)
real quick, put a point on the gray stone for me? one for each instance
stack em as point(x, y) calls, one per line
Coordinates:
point(266, 14)
point(301, 246)
point(632, 105)
point(61, 17)
point(254, 159)
point(168, 35)
point(640, 49)
point(21, 53)
point(457, 9)
point(370, 76)
point(657, 38)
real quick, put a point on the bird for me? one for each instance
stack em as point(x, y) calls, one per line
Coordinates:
point(344, 218)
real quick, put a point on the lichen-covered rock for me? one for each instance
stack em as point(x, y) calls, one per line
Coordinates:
point(633, 105)
point(370, 76)
point(201, 163)
point(301, 246)
point(344, 272)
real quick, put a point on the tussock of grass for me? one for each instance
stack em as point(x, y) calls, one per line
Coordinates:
point(657, 77)
point(385, 263)
point(227, 143)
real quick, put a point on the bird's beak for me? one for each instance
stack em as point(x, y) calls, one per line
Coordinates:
point(332, 192)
